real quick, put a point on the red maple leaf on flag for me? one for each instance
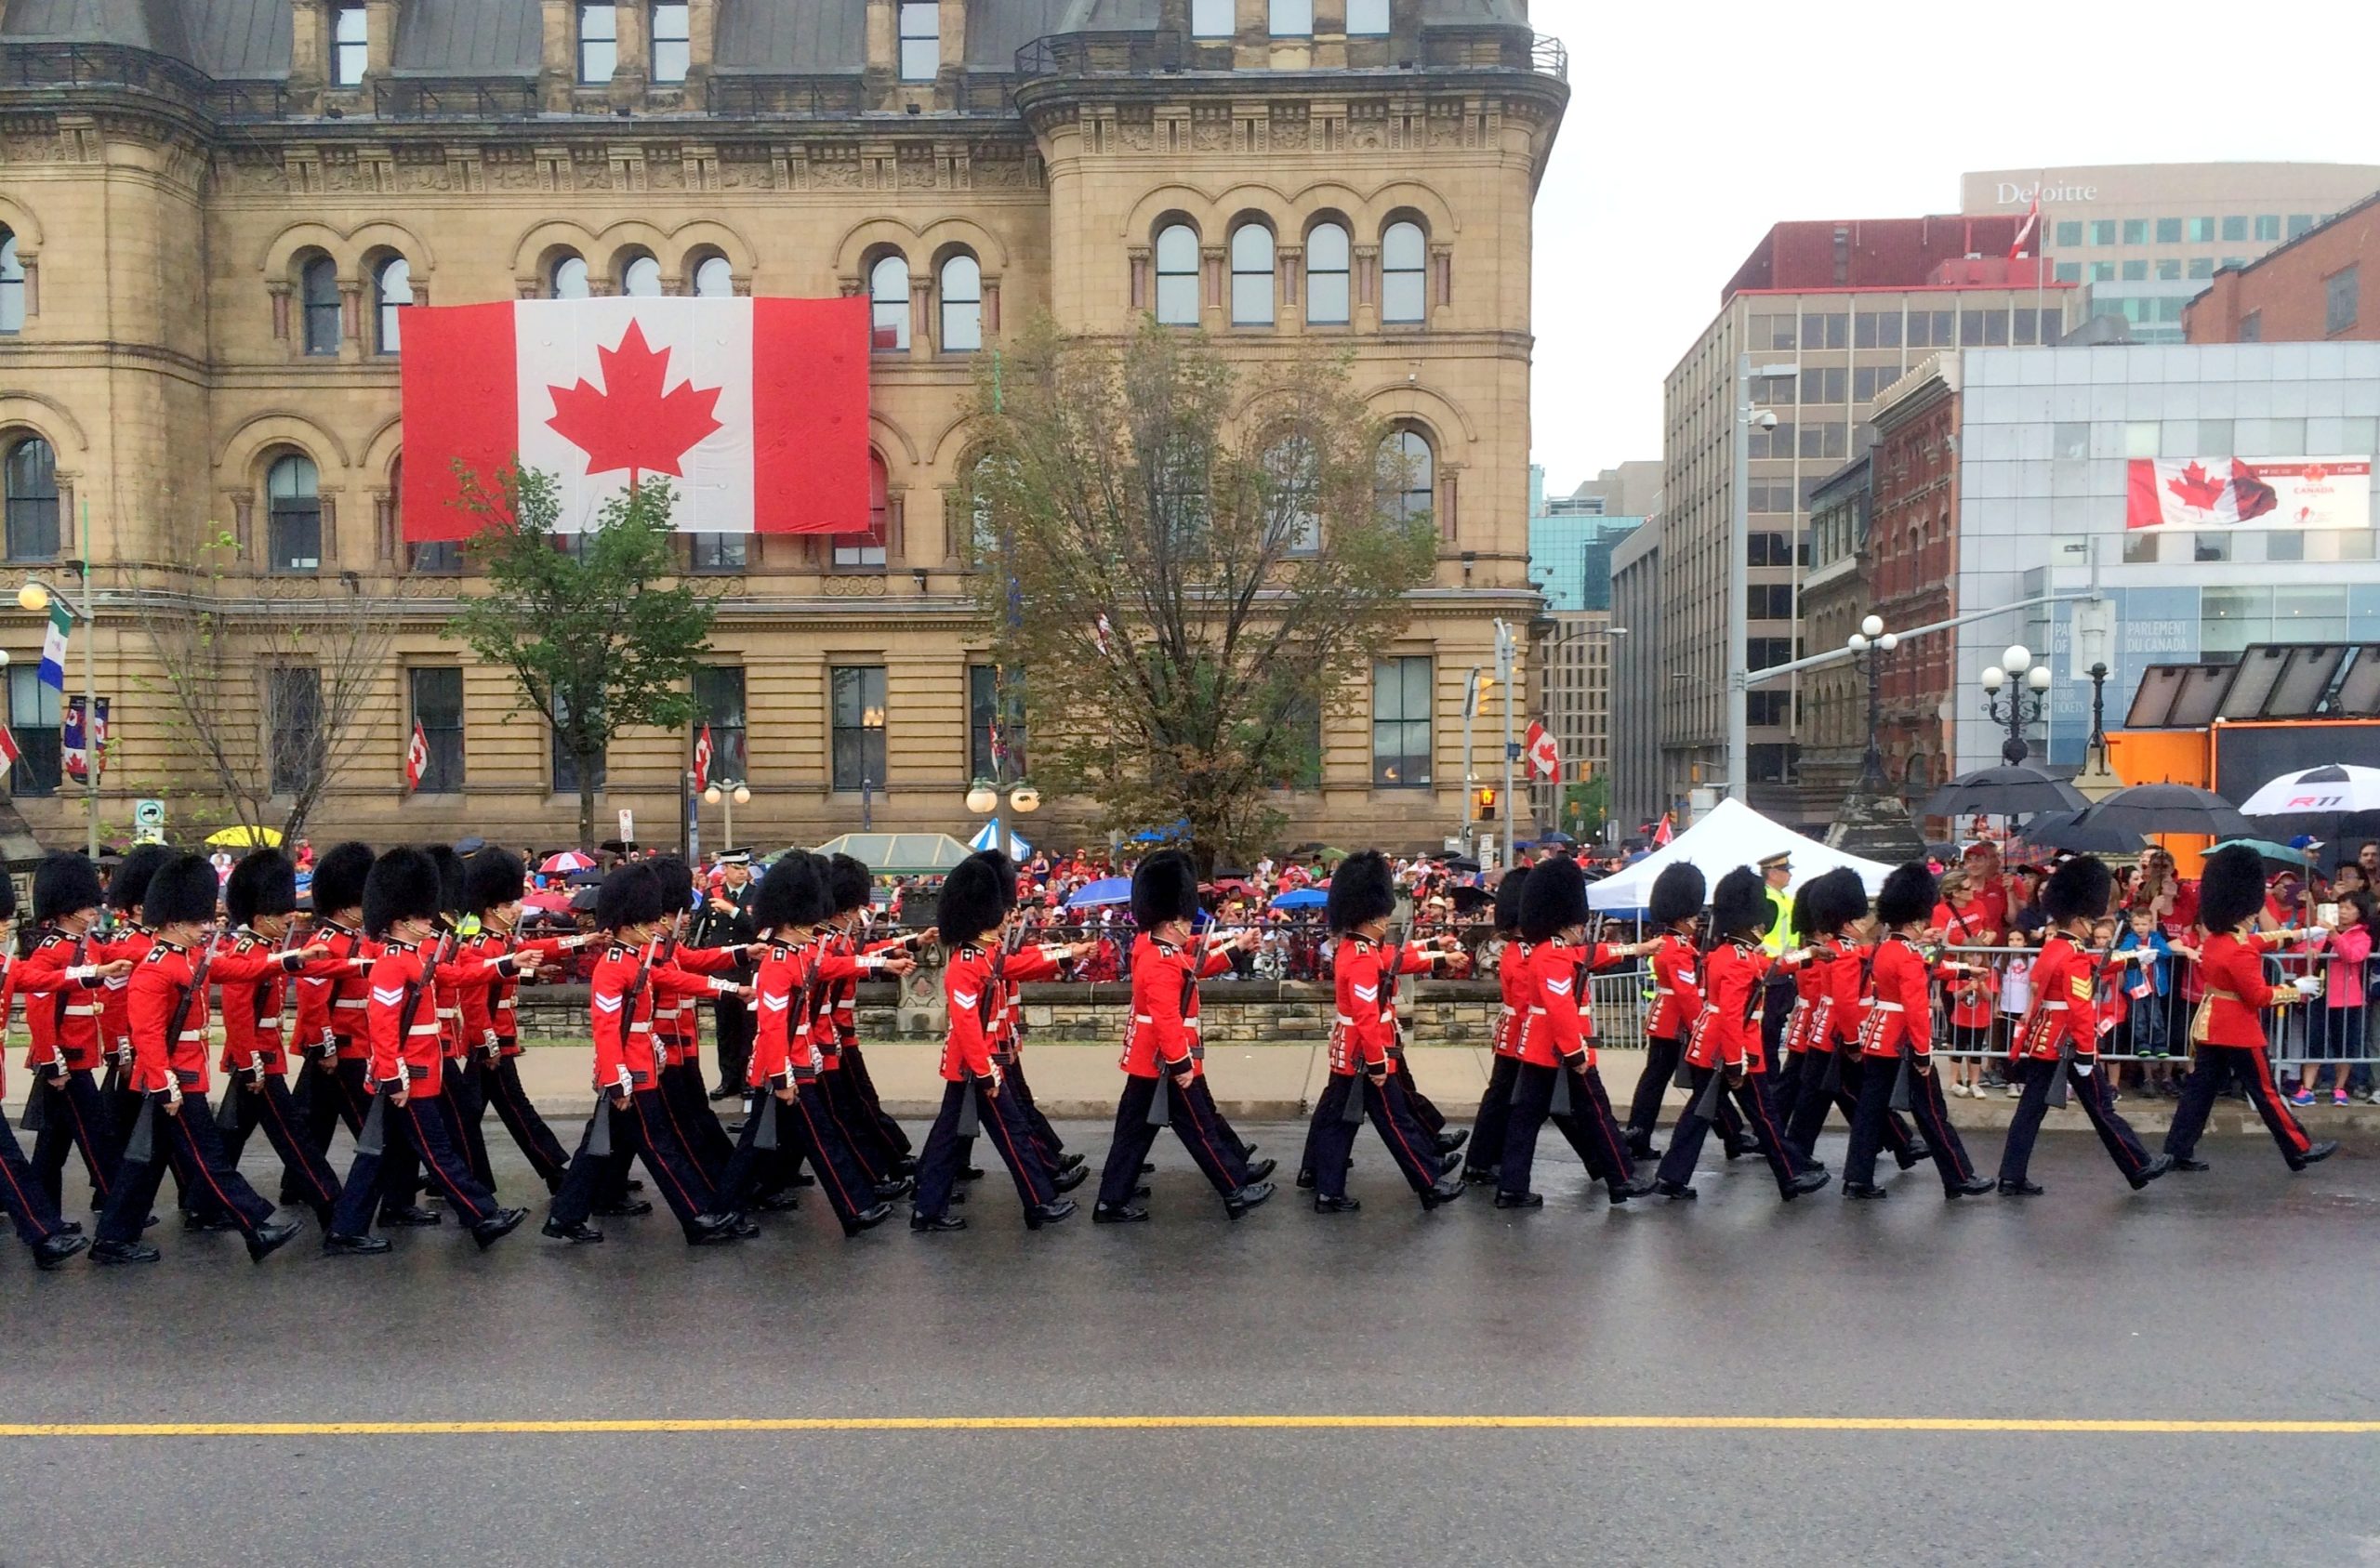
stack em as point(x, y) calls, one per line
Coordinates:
point(631, 422)
point(2195, 489)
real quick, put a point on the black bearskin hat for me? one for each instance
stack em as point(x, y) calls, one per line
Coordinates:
point(129, 886)
point(792, 892)
point(65, 883)
point(493, 878)
point(1509, 893)
point(630, 895)
point(676, 883)
point(850, 881)
point(1830, 901)
point(264, 882)
point(1165, 887)
point(1909, 896)
point(401, 885)
point(2230, 888)
point(183, 889)
point(1679, 893)
point(1362, 889)
point(1740, 904)
point(338, 876)
point(2080, 887)
point(971, 902)
point(450, 877)
point(1555, 897)
point(1003, 869)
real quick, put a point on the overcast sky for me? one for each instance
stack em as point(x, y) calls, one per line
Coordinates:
point(1858, 109)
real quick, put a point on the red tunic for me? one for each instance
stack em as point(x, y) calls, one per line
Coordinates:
point(1900, 1002)
point(330, 1009)
point(1517, 987)
point(1677, 970)
point(57, 979)
point(2065, 1012)
point(1165, 1007)
point(155, 992)
point(2233, 971)
point(1727, 1035)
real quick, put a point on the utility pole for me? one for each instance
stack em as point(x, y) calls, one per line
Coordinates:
point(1504, 674)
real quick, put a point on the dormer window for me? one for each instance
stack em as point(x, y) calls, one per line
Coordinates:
point(350, 47)
point(921, 40)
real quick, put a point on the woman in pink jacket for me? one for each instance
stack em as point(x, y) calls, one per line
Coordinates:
point(2335, 1028)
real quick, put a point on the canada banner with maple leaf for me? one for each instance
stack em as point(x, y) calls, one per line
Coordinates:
point(754, 409)
point(2227, 492)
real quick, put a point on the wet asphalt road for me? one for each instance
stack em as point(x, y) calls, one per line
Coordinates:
point(2243, 1294)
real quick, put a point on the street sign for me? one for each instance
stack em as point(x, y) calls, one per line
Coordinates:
point(148, 821)
point(627, 825)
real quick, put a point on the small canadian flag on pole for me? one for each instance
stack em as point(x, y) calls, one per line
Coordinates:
point(10, 752)
point(1664, 833)
point(702, 760)
point(2025, 229)
point(1544, 756)
point(417, 757)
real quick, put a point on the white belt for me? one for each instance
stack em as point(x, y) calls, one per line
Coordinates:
point(82, 1012)
point(1533, 1012)
point(1509, 1009)
point(193, 1035)
point(450, 1013)
point(352, 1002)
point(1887, 1006)
point(504, 1005)
point(423, 1029)
point(1142, 1018)
point(1342, 1018)
point(641, 1028)
point(2053, 1006)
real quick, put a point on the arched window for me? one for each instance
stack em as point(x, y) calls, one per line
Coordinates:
point(29, 480)
point(887, 297)
point(12, 284)
point(857, 551)
point(1408, 474)
point(294, 513)
point(567, 279)
point(1402, 257)
point(962, 304)
point(641, 277)
point(1291, 525)
point(714, 279)
point(1326, 254)
point(1251, 275)
point(1177, 275)
point(392, 290)
point(318, 295)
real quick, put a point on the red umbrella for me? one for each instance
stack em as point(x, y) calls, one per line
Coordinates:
point(569, 859)
point(548, 903)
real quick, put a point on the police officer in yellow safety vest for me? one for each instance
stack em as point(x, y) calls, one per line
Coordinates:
point(1776, 999)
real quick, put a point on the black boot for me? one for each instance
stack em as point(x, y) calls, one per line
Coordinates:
point(1973, 1187)
point(1336, 1205)
point(1520, 1200)
point(868, 1219)
point(1247, 1197)
point(935, 1223)
point(1118, 1214)
point(57, 1249)
point(124, 1252)
point(581, 1233)
point(338, 1245)
point(1444, 1193)
point(2156, 1169)
point(1048, 1214)
point(2316, 1154)
point(412, 1215)
point(266, 1240)
point(498, 1225)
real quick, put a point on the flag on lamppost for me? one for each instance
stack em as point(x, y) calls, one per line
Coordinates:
point(702, 760)
point(417, 757)
point(80, 742)
point(1544, 756)
point(53, 648)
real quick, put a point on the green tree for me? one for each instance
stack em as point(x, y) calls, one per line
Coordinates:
point(1193, 563)
point(1585, 805)
point(584, 622)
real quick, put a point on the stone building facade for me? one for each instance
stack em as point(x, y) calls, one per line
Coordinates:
point(213, 217)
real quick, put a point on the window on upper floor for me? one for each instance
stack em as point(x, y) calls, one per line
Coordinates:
point(1251, 275)
point(566, 279)
point(29, 480)
point(1292, 19)
point(318, 298)
point(921, 40)
point(2339, 300)
point(294, 516)
point(12, 284)
point(1177, 275)
point(1367, 19)
point(1211, 19)
point(963, 304)
point(672, 41)
point(1408, 474)
point(1404, 283)
point(1327, 271)
point(640, 277)
point(714, 279)
point(599, 41)
point(391, 291)
point(349, 45)
point(888, 298)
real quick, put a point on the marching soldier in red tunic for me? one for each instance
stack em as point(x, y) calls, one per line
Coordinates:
point(1557, 1074)
point(1897, 1037)
point(129, 940)
point(1675, 908)
point(61, 980)
point(850, 1089)
point(1008, 1043)
point(169, 1071)
point(1830, 912)
point(677, 1027)
point(2227, 1033)
point(330, 1009)
point(1164, 1057)
point(1514, 985)
point(32, 1209)
point(1364, 1081)
point(260, 898)
point(2057, 1042)
point(1726, 1052)
point(494, 882)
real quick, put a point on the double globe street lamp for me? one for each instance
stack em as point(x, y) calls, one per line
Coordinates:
point(984, 799)
point(1873, 640)
point(727, 794)
point(2016, 694)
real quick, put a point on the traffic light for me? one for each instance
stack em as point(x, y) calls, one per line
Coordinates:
point(1483, 805)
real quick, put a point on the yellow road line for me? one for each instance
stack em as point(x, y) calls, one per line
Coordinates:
point(1190, 1423)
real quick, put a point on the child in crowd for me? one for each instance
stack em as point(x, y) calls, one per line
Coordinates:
point(2015, 999)
point(2335, 1025)
point(2148, 982)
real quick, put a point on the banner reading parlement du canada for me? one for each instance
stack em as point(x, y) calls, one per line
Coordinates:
point(2235, 491)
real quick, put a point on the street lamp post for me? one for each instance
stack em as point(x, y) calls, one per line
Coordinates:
point(2098, 716)
point(1873, 640)
point(728, 794)
point(36, 597)
point(2027, 699)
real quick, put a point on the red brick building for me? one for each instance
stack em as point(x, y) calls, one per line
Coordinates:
point(2322, 285)
point(1912, 546)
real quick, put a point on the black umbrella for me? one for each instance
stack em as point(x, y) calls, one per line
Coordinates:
point(2168, 808)
point(2064, 831)
point(583, 901)
point(1469, 900)
point(1460, 864)
point(2002, 792)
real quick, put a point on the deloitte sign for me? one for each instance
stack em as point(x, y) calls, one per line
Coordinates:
point(2014, 193)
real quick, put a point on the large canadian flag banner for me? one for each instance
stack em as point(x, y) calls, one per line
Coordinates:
point(2330, 492)
point(755, 411)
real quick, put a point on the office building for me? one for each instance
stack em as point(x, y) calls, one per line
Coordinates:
point(1574, 657)
point(1570, 540)
point(1638, 679)
point(2323, 287)
point(1838, 593)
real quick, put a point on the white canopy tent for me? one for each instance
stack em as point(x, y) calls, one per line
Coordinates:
point(1731, 834)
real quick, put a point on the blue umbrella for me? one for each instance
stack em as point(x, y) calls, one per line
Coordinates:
point(1301, 898)
point(1108, 889)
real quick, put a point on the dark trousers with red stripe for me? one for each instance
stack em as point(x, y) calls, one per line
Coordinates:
point(1488, 1128)
point(499, 1084)
point(2214, 1068)
point(1850, 1072)
point(420, 1134)
point(803, 1131)
point(696, 1125)
point(1333, 1136)
point(1662, 1058)
point(31, 1209)
point(855, 1124)
point(1873, 1119)
point(1004, 1120)
point(1192, 1117)
point(1756, 1100)
point(856, 1065)
point(2095, 1093)
point(1045, 1137)
point(75, 1117)
point(466, 1106)
point(639, 1129)
point(307, 1177)
point(189, 1144)
point(1586, 1123)
point(1425, 1111)
point(327, 1094)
